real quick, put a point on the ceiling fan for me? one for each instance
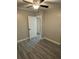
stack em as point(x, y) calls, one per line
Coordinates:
point(36, 4)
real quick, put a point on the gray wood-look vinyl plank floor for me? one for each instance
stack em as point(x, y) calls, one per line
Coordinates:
point(41, 50)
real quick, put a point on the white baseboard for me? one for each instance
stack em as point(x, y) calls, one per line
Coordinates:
point(42, 38)
point(55, 42)
point(18, 41)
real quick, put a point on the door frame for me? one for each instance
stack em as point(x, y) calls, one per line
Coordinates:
point(40, 24)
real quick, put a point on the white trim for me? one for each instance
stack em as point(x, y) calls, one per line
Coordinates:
point(18, 41)
point(53, 41)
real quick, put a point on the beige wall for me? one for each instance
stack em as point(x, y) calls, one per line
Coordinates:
point(22, 29)
point(52, 24)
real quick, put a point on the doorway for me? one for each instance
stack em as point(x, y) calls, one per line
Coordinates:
point(35, 27)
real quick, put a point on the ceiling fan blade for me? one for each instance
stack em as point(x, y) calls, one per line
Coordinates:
point(44, 6)
point(28, 6)
point(41, 1)
point(28, 2)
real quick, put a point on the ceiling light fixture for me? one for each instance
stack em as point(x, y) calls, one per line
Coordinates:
point(36, 6)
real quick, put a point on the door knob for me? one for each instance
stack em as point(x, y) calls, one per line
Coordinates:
point(29, 29)
point(38, 33)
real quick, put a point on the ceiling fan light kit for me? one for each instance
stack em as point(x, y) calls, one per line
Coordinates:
point(35, 6)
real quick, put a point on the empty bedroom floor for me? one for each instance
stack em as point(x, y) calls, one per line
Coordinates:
point(42, 49)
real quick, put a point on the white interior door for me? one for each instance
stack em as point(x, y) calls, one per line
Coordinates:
point(35, 27)
point(32, 26)
point(39, 26)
